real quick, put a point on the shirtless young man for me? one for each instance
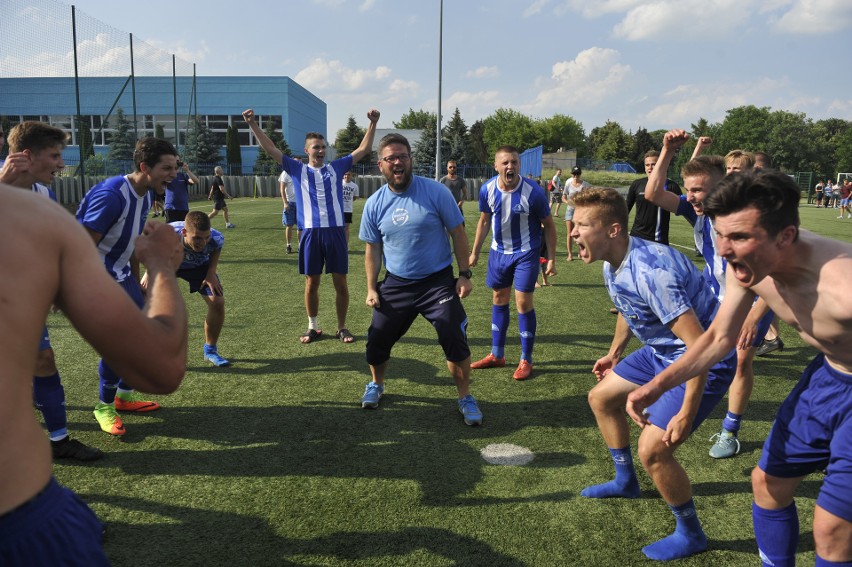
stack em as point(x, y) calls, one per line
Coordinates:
point(64, 269)
point(794, 271)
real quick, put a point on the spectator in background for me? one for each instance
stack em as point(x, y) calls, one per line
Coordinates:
point(350, 193)
point(555, 189)
point(288, 216)
point(177, 193)
point(845, 191)
point(455, 183)
point(818, 193)
point(651, 222)
point(218, 194)
point(571, 188)
point(828, 194)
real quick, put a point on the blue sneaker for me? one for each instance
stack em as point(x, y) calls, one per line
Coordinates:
point(727, 445)
point(211, 354)
point(470, 411)
point(372, 394)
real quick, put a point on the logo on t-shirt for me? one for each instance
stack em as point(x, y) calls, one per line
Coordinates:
point(400, 217)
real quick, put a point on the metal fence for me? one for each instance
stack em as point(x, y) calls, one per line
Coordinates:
point(83, 74)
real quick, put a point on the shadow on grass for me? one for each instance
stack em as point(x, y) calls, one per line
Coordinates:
point(206, 537)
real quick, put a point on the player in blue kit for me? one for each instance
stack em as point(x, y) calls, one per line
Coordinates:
point(664, 301)
point(700, 176)
point(756, 216)
point(36, 157)
point(518, 213)
point(113, 212)
point(202, 246)
point(406, 223)
point(177, 193)
point(320, 211)
point(42, 523)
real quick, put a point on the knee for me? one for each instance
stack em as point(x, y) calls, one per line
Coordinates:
point(652, 451)
point(217, 306)
point(600, 400)
point(833, 537)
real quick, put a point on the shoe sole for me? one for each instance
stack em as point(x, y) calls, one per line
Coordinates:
point(368, 405)
point(142, 409)
point(218, 365)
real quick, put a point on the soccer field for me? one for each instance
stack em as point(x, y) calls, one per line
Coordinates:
point(272, 461)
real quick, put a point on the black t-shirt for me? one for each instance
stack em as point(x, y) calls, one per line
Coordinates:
point(218, 184)
point(651, 222)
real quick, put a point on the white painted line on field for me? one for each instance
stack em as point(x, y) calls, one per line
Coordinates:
point(507, 454)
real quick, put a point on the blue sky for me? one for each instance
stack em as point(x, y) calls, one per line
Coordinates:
point(643, 63)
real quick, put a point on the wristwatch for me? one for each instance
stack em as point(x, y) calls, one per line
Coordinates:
point(465, 274)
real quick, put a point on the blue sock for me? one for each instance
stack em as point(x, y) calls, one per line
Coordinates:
point(49, 397)
point(499, 328)
point(732, 423)
point(820, 562)
point(625, 484)
point(527, 326)
point(687, 539)
point(109, 380)
point(777, 534)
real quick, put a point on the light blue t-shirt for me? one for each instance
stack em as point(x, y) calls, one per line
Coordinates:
point(193, 259)
point(411, 227)
point(319, 192)
point(516, 215)
point(113, 209)
point(654, 285)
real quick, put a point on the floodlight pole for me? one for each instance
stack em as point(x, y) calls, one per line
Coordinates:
point(440, 63)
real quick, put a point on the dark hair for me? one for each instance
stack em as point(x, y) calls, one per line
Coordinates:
point(775, 196)
point(651, 153)
point(35, 136)
point(394, 138)
point(762, 160)
point(507, 149)
point(610, 203)
point(314, 136)
point(149, 150)
point(576, 170)
point(197, 220)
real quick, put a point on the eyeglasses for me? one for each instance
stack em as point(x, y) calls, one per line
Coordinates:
point(401, 158)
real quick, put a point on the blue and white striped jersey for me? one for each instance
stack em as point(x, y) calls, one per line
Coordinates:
point(516, 215)
point(654, 285)
point(113, 209)
point(319, 192)
point(705, 242)
point(44, 190)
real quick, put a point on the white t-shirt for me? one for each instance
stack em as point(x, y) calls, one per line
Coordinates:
point(350, 190)
point(289, 187)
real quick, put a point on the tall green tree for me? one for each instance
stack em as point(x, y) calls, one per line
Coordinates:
point(84, 137)
point(508, 127)
point(233, 155)
point(423, 152)
point(478, 148)
point(416, 120)
point(643, 142)
point(123, 141)
point(159, 132)
point(561, 131)
point(455, 137)
point(202, 148)
point(265, 165)
point(610, 142)
point(348, 138)
point(843, 151)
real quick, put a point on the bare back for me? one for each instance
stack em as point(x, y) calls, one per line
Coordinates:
point(811, 296)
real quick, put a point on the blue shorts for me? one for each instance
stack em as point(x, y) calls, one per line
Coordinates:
point(521, 269)
point(641, 366)
point(195, 276)
point(323, 246)
point(401, 301)
point(55, 527)
point(812, 432)
point(44, 343)
point(134, 290)
point(288, 216)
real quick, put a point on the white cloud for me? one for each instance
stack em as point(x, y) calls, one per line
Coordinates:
point(398, 88)
point(322, 74)
point(596, 8)
point(670, 21)
point(367, 5)
point(588, 80)
point(483, 73)
point(815, 17)
point(535, 8)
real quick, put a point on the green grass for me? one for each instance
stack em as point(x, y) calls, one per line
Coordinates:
point(273, 462)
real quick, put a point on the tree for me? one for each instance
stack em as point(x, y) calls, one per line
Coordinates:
point(416, 120)
point(561, 131)
point(423, 152)
point(843, 151)
point(744, 127)
point(233, 155)
point(508, 127)
point(84, 137)
point(265, 165)
point(642, 143)
point(201, 148)
point(123, 141)
point(610, 142)
point(478, 149)
point(348, 138)
point(159, 132)
point(455, 136)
